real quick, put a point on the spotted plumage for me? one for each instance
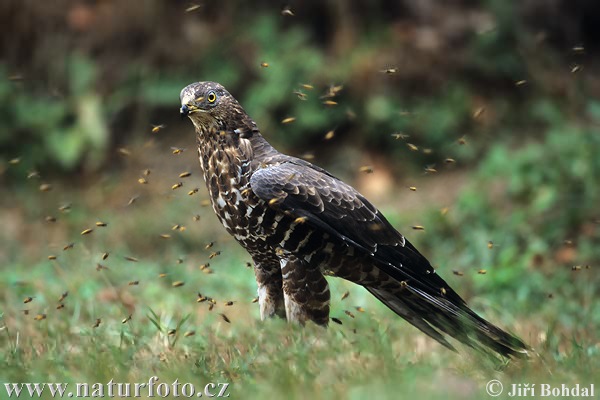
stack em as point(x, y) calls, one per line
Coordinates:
point(299, 222)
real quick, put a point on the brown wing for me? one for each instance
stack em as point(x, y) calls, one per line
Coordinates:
point(304, 190)
point(335, 207)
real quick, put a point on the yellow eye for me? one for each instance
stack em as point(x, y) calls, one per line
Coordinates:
point(212, 97)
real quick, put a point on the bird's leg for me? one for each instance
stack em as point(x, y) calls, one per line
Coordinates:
point(270, 292)
point(305, 291)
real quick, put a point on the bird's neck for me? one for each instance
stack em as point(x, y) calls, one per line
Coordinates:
point(233, 153)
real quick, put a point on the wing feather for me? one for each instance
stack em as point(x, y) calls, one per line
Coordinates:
point(300, 188)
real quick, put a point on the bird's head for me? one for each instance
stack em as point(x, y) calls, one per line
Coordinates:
point(209, 106)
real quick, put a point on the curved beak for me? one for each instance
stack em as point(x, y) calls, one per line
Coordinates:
point(184, 111)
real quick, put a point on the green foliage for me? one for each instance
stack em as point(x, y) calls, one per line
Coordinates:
point(65, 129)
point(528, 198)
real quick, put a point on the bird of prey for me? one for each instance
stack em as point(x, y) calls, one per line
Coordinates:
point(299, 223)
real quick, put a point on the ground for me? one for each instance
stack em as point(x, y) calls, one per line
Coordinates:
point(118, 319)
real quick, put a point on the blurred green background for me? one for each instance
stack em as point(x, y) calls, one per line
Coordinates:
point(478, 120)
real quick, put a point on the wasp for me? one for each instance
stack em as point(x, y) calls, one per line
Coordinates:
point(28, 300)
point(449, 160)
point(418, 227)
point(196, 217)
point(87, 231)
point(333, 91)
point(178, 283)
point(229, 303)
point(477, 113)
point(214, 254)
point(162, 275)
point(412, 147)
point(14, 161)
point(576, 268)
point(193, 191)
point(156, 128)
point(336, 320)
point(443, 291)
point(300, 220)
point(69, 246)
point(430, 169)
point(330, 103)
point(521, 82)
point(482, 271)
point(100, 267)
point(308, 156)
point(129, 258)
point(33, 174)
point(412, 188)
point(101, 224)
point(348, 313)
point(177, 150)
point(165, 236)
point(171, 332)
point(329, 135)
point(457, 272)
point(60, 306)
point(287, 12)
point(65, 207)
point(575, 68)
point(177, 185)
point(132, 200)
point(134, 283)
point(301, 95)
point(211, 306)
point(63, 296)
point(389, 71)
point(255, 300)
point(126, 319)
point(123, 151)
point(185, 174)
point(225, 318)
point(345, 295)
point(264, 64)
point(51, 257)
point(105, 255)
point(97, 323)
point(189, 333)
point(359, 309)
point(209, 245)
point(367, 169)
point(288, 120)
point(462, 140)
point(490, 244)
point(193, 7)
point(45, 187)
point(400, 135)
point(50, 218)
point(143, 181)
point(39, 317)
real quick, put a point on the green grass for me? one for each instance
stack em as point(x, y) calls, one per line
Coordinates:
point(372, 354)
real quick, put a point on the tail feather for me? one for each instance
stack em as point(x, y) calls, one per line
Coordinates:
point(436, 316)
